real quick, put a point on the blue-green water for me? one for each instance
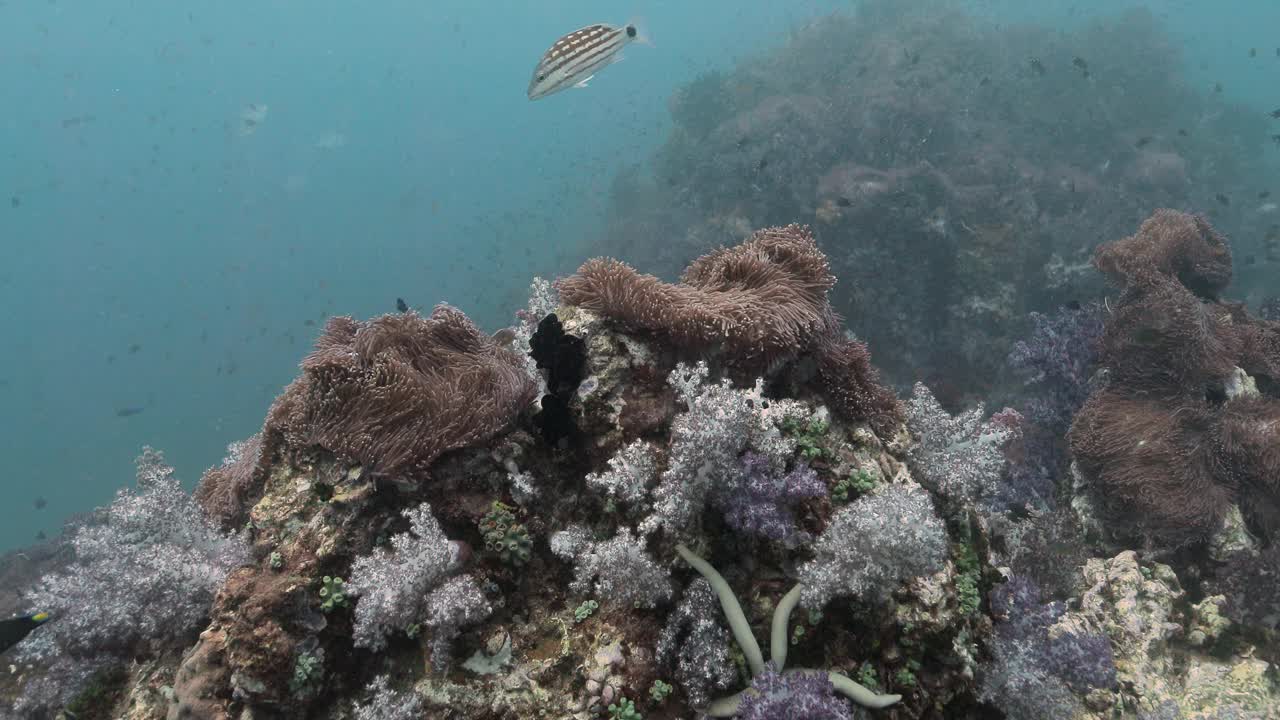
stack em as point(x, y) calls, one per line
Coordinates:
point(161, 256)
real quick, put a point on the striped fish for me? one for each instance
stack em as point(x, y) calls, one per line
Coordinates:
point(575, 58)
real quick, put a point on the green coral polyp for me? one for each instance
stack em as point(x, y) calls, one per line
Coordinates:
point(849, 489)
point(660, 690)
point(585, 610)
point(505, 537)
point(332, 593)
point(624, 709)
point(808, 435)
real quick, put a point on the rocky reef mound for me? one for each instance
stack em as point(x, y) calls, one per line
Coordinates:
point(611, 509)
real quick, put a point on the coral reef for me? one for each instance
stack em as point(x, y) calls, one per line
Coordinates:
point(545, 575)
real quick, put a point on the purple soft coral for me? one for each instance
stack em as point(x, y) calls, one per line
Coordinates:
point(804, 695)
point(1033, 674)
point(1058, 358)
point(757, 503)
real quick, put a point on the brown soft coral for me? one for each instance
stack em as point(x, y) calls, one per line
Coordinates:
point(1154, 463)
point(1249, 440)
point(1170, 243)
point(396, 392)
point(852, 385)
point(1177, 436)
point(1160, 335)
point(761, 303)
point(1257, 346)
point(392, 394)
point(225, 491)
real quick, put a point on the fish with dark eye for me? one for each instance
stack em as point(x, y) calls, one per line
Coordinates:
point(401, 305)
point(1226, 201)
point(575, 58)
point(1036, 65)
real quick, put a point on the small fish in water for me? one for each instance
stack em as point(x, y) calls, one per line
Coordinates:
point(1253, 52)
point(576, 58)
point(15, 201)
point(1275, 139)
point(1081, 65)
point(41, 503)
point(41, 536)
point(1226, 201)
point(134, 348)
point(1250, 260)
point(985, 81)
point(1264, 194)
point(1275, 113)
point(1143, 142)
point(1182, 132)
point(401, 305)
point(843, 202)
point(251, 117)
point(129, 411)
point(1217, 87)
point(1073, 304)
point(1037, 65)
